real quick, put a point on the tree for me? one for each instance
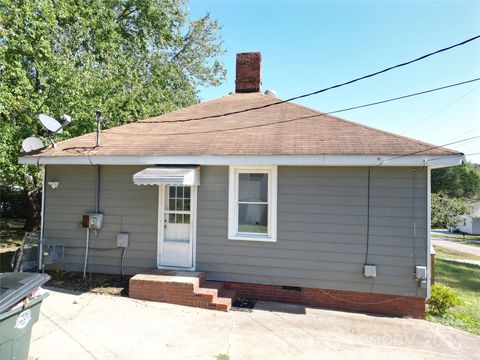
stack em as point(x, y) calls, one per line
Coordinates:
point(457, 181)
point(129, 58)
point(446, 210)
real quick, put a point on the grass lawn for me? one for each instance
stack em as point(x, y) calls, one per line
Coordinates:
point(465, 279)
point(469, 239)
point(11, 234)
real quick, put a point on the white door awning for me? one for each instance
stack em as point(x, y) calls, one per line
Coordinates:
point(162, 175)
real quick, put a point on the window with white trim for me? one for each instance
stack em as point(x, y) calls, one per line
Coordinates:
point(252, 205)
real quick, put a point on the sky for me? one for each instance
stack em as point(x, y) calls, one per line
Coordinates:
point(309, 45)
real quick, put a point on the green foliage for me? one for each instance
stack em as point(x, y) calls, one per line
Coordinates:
point(129, 58)
point(457, 181)
point(441, 299)
point(446, 210)
point(12, 203)
point(465, 279)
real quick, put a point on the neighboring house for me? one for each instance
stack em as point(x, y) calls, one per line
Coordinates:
point(279, 202)
point(470, 223)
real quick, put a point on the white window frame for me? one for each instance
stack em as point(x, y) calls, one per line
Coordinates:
point(233, 183)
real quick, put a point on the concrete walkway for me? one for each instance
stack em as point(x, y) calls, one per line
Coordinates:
point(90, 326)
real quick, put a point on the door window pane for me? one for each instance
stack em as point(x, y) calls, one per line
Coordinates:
point(171, 218)
point(179, 219)
point(180, 204)
point(186, 205)
point(186, 219)
point(253, 218)
point(171, 204)
point(187, 192)
point(253, 187)
point(172, 191)
point(179, 192)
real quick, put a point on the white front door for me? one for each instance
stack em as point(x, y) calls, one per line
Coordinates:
point(176, 225)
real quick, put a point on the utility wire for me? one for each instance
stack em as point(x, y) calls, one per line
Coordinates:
point(108, 132)
point(464, 133)
point(330, 87)
point(443, 108)
point(385, 70)
point(430, 148)
point(446, 157)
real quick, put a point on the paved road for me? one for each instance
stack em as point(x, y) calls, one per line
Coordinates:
point(90, 326)
point(456, 246)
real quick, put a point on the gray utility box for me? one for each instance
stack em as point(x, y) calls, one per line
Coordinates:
point(122, 240)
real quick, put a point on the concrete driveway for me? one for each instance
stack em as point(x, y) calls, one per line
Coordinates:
point(89, 326)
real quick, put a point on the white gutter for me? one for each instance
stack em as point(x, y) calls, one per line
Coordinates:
point(300, 160)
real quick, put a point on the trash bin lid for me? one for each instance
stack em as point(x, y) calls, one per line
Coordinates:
point(15, 286)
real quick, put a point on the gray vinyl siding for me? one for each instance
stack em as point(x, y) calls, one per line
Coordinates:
point(321, 226)
point(126, 207)
point(322, 217)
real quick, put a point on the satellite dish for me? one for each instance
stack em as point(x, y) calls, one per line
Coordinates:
point(271, 93)
point(31, 144)
point(50, 124)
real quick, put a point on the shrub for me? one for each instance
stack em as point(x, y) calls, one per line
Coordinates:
point(441, 299)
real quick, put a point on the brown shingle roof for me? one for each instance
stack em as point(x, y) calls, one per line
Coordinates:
point(284, 129)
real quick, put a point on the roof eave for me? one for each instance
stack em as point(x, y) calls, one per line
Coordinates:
point(433, 161)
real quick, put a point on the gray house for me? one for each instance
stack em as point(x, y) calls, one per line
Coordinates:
point(270, 199)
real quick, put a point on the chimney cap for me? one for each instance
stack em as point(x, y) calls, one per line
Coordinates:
point(248, 72)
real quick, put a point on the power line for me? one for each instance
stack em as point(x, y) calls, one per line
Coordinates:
point(465, 132)
point(330, 87)
point(443, 108)
point(430, 148)
point(385, 70)
point(299, 118)
point(446, 157)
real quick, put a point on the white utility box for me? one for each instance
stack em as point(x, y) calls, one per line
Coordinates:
point(122, 240)
point(369, 270)
point(421, 272)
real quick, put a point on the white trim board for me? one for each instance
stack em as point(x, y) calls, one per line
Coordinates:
point(233, 188)
point(260, 160)
point(161, 229)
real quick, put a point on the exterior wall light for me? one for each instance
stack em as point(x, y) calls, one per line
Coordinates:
point(53, 184)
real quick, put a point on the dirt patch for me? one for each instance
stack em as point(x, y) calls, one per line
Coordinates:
point(96, 283)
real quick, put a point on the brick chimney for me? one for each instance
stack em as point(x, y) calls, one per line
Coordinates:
point(248, 72)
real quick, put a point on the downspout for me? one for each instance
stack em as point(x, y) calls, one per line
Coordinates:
point(97, 209)
point(42, 220)
point(97, 192)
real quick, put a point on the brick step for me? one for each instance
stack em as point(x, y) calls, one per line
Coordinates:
point(209, 290)
point(217, 285)
point(182, 288)
point(206, 294)
point(224, 300)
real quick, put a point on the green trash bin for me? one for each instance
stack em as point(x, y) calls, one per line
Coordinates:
point(16, 321)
